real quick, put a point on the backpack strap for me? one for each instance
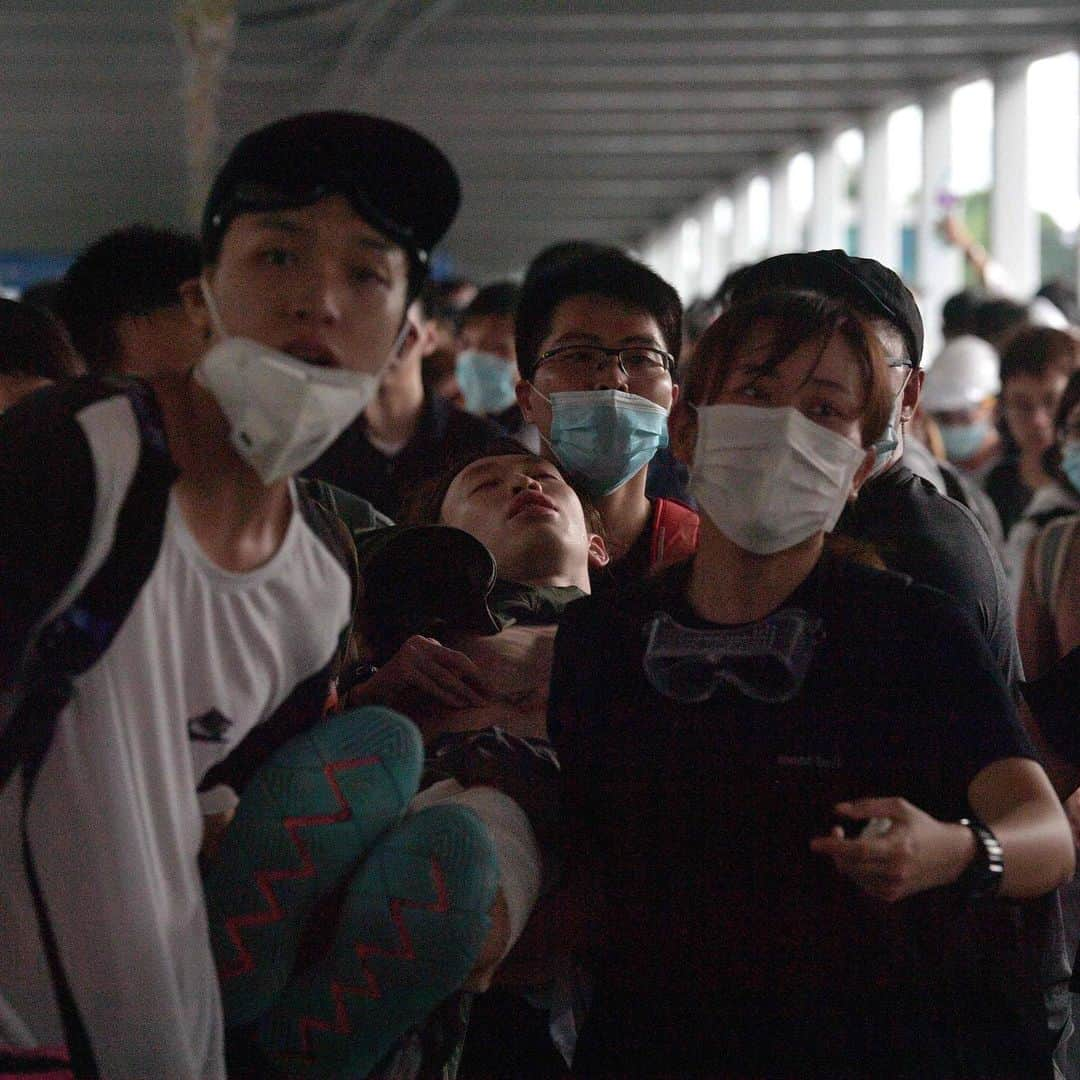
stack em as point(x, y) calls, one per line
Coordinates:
point(1051, 551)
point(674, 533)
point(68, 645)
point(1044, 519)
point(319, 504)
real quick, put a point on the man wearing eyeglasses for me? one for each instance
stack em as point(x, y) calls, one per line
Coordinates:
point(597, 339)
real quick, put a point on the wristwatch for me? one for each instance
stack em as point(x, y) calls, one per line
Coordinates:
point(983, 876)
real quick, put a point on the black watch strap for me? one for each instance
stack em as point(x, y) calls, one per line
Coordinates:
point(983, 877)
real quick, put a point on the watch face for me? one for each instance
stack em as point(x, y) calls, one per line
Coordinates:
point(983, 877)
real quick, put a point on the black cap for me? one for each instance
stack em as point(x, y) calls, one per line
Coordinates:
point(424, 579)
point(394, 178)
point(873, 288)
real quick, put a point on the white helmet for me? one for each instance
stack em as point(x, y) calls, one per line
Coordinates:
point(965, 373)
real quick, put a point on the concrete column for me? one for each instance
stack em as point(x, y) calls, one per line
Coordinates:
point(669, 258)
point(878, 236)
point(724, 225)
point(825, 228)
point(710, 247)
point(939, 266)
point(782, 233)
point(740, 226)
point(1014, 228)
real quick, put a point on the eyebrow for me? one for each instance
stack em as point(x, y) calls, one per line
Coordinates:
point(595, 339)
point(818, 381)
point(483, 466)
point(756, 371)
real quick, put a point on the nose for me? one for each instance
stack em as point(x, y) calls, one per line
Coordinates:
point(320, 296)
point(524, 482)
point(609, 373)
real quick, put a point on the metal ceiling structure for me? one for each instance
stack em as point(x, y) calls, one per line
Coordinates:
point(576, 118)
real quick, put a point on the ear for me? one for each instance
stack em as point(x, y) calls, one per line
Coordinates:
point(194, 304)
point(523, 391)
point(682, 431)
point(598, 552)
point(429, 341)
point(862, 473)
point(912, 392)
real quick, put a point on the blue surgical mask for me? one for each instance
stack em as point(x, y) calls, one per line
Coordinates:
point(487, 381)
point(1070, 463)
point(605, 436)
point(963, 441)
point(890, 439)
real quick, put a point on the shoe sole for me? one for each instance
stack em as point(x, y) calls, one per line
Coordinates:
point(303, 824)
point(414, 921)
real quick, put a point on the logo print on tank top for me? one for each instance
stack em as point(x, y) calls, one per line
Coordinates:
point(210, 727)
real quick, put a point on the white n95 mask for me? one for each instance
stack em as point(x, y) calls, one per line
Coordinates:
point(769, 478)
point(282, 412)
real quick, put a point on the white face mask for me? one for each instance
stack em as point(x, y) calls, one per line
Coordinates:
point(283, 413)
point(770, 478)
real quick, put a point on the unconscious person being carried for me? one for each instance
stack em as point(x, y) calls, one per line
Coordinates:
point(422, 894)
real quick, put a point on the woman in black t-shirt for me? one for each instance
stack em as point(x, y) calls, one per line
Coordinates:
point(791, 774)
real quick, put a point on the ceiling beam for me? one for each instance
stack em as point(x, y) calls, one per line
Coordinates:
point(681, 100)
point(706, 73)
point(646, 120)
point(781, 44)
point(764, 17)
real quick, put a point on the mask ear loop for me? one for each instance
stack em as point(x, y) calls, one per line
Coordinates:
point(402, 334)
point(211, 307)
point(543, 438)
point(900, 395)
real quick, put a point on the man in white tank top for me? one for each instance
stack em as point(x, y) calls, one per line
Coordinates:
point(316, 236)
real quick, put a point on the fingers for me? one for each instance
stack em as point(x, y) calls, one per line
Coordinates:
point(881, 865)
point(446, 676)
point(893, 808)
point(462, 667)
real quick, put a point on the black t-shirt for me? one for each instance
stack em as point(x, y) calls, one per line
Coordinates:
point(633, 566)
point(1008, 492)
point(731, 948)
point(442, 433)
point(934, 540)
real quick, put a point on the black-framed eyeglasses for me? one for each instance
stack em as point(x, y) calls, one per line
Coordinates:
point(636, 362)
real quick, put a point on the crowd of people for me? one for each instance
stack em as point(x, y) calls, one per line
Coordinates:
point(401, 678)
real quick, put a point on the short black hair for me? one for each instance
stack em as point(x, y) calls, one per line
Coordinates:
point(997, 319)
point(958, 312)
point(135, 270)
point(1037, 350)
point(33, 342)
point(609, 274)
point(563, 252)
point(45, 294)
point(498, 298)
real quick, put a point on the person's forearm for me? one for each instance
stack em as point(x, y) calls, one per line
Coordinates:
point(1014, 799)
point(1037, 848)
